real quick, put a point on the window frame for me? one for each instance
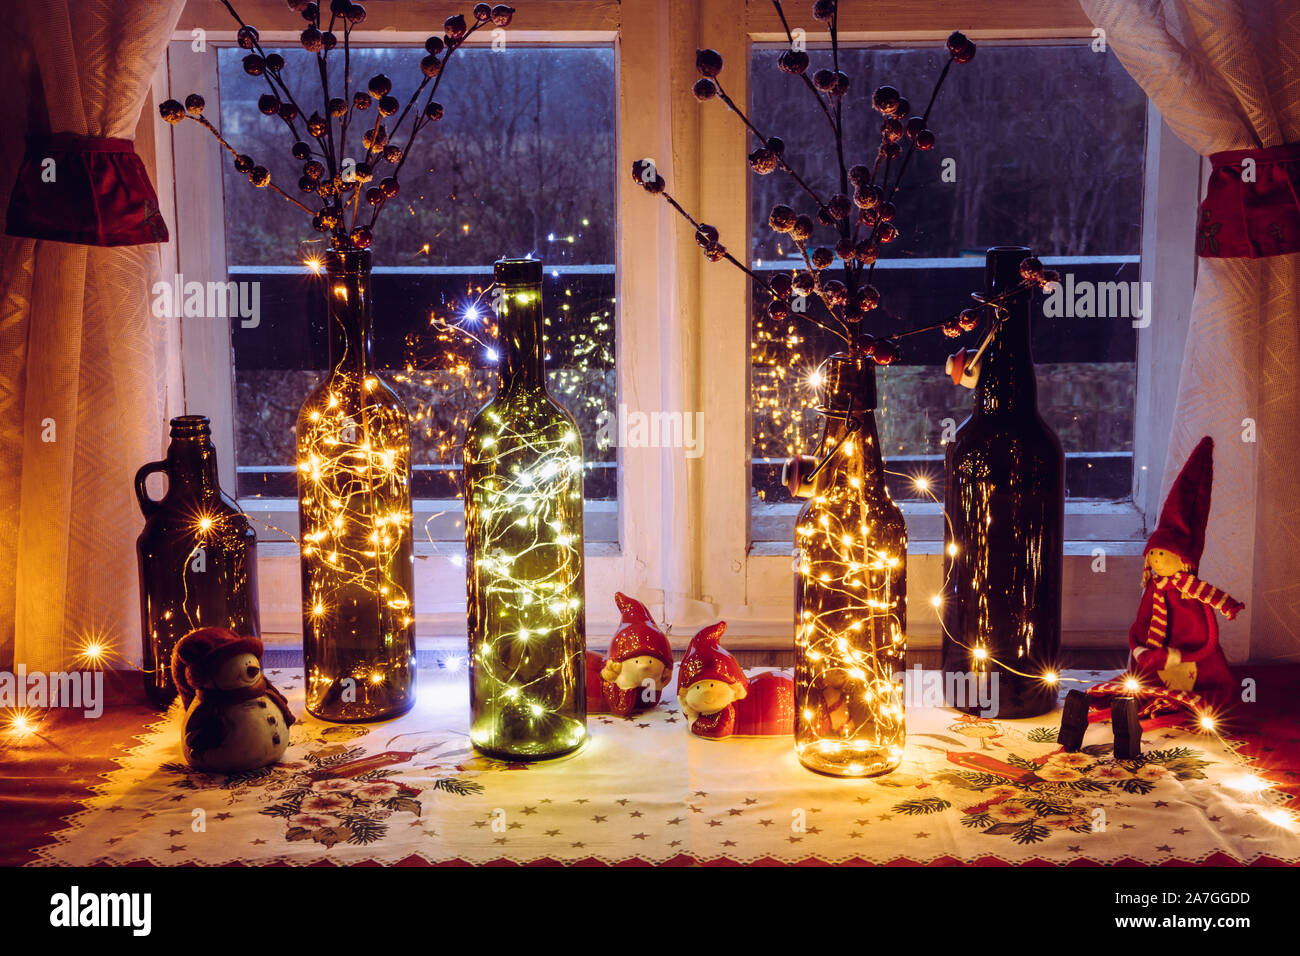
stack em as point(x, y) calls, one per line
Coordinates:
point(685, 541)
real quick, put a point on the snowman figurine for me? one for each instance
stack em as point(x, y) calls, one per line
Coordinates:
point(235, 720)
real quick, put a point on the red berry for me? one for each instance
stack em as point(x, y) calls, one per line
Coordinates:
point(951, 329)
point(455, 27)
point(268, 104)
point(761, 160)
point(482, 12)
point(868, 298)
point(361, 237)
point(822, 258)
point(254, 65)
point(704, 89)
point(925, 139)
point(380, 86)
point(794, 62)
point(885, 352)
point(502, 14)
point(434, 111)
point(708, 62)
point(885, 99)
point(434, 45)
point(246, 37)
point(887, 232)
point(968, 319)
point(430, 65)
point(1031, 267)
point(781, 283)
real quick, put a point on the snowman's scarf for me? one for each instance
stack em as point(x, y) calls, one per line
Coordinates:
point(261, 688)
point(1190, 586)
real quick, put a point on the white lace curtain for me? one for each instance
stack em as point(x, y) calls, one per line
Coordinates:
point(1225, 74)
point(80, 354)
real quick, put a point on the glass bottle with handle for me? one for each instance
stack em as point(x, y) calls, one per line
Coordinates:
point(197, 554)
point(355, 523)
point(850, 590)
point(524, 545)
point(1005, 528)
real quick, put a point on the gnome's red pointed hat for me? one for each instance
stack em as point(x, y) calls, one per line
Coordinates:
point(706, 660)
point(1187, 508)
point(638, 635)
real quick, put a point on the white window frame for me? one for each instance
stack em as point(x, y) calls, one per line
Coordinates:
point(685, 540)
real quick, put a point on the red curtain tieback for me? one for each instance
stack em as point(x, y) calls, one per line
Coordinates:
point(96, 193)
point(1251, 209)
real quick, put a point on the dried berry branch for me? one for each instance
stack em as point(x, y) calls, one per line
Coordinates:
point(868, 209)
point(326, 172)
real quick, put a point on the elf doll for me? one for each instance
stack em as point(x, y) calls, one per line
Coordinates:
point(1174, 643)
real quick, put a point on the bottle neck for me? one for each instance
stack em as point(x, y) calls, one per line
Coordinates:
point(348, 299)
point(522, 345)
point(855, 454)
point(192, 470)
point(1007, 384)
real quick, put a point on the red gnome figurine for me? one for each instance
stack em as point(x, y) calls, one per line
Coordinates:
point(1176, 655)
point(718, 699)
point(639, 666)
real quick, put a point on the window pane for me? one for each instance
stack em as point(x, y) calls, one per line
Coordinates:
point(1047, 146)
point(522, 162)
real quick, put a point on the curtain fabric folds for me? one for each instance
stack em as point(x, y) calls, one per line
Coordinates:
point(80, 401)
point(1224, 75)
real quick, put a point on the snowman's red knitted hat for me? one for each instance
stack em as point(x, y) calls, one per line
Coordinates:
point(1187, 508)
point(638, 636)
point(706, 660)
point(199, 653)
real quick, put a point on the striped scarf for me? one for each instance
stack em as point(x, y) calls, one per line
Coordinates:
point(1190, 586)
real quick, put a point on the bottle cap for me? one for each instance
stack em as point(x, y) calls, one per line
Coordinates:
point(518, 271)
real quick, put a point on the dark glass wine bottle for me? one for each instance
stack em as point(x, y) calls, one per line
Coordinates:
point(354, 514)
point(850, 591)
point(1005, 528)
point(524, 546)
point(197, 555)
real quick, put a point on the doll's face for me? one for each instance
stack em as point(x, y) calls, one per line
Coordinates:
point(1164, 563)
point(637, 670)
point(710, 696)
point(242, 670)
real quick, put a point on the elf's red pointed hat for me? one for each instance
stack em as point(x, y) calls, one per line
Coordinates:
point(639, 635)
point(706, 660)
point(1187, 508)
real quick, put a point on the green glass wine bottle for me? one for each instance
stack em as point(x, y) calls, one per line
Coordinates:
point(524, 546)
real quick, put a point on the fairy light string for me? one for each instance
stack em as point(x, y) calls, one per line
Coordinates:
point(524, 535)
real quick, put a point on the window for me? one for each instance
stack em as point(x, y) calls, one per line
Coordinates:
point(522, 162)
point(1052, 169)
point(597, 85)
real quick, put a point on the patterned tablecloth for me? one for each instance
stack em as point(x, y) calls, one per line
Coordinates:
point(644, 790)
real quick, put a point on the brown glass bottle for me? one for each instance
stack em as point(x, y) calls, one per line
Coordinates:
point(850, 591)
point(197, 554)
point(1005, 528)
point(354, 514)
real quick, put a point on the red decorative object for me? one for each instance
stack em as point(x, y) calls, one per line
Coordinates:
point(1177, 662)
point(1252, 204)
point(638, 668)
point(720, 701)
point(87, 190)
